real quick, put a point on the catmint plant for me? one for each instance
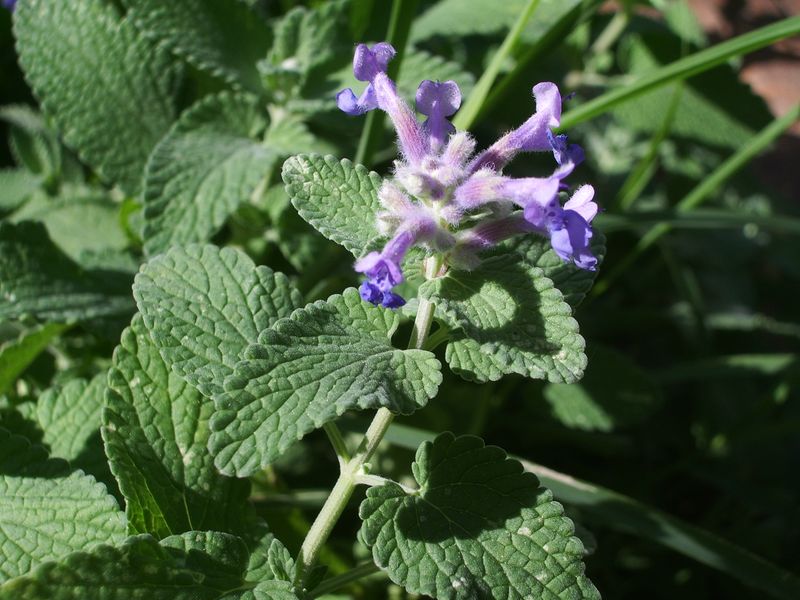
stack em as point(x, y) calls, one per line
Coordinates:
point(207, 309)
point(457, 207)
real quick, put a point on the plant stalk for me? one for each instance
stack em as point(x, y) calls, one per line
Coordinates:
point(350, 469)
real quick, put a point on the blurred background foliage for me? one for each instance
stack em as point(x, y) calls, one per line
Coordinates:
point(690, 404)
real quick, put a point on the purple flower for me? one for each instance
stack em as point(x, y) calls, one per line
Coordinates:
point(384, 269)
point(9, 4)
point(438, 101)
point(449, 202)
point(570, 229)
point(533, 135)
point(369, 64)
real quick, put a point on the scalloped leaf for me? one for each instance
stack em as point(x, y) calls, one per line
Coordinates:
point(327, 358)
point(155, 428)
point(69, 417)
point(47, 510)
point(224, 38)
point(339, 199)
point(507, 318)
point(573, 282)
point(479, 527)
point(203, 306)
point(200, 565)
point(109, 91)
point(208, 164)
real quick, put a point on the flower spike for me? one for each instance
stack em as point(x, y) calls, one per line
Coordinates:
point(450, 203)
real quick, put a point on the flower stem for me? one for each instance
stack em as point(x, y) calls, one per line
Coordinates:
point(466, 116)
point(351, 469)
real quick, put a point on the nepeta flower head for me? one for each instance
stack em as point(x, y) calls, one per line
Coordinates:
point(9, 4)
point(448, 200)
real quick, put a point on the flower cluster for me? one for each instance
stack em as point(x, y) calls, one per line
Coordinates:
point(448, 200)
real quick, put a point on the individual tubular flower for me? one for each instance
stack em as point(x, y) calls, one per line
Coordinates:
point(369, 64)
point(384, 269)
point(453, 204)
point(533, 135)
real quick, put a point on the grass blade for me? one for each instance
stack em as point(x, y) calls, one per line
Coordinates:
point(685, 68)
point(704, 189)
point(468, 113)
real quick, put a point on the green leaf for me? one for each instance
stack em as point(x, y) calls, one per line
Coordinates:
point(613, 394)
point(308, 369)
point(508, 318)
point(17, 355)
point(339, 199)
point(204, 306)
point(223, 38)
point(155, 428)
point(615, 511)
point(465, 17)
point(47, 511)
point(69, 216)
point(69, 416)
point(36, 278)
point(199, 173)
point(290, 135)
point(33, 145)
point(201, 565)
point(572, 282)
point(109, 91)
point(478, 527)
point(17, 186)
point(303, 39)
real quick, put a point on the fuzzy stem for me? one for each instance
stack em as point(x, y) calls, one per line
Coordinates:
point(354, 467)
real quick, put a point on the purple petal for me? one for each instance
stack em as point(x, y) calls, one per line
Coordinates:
point(368, 62)
point(438, 101)
point(581, 202)
point(369, 292)
point(438, 98)
point(392, 300)
point(348, 103)
point(565, 153)
point(571, 241)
